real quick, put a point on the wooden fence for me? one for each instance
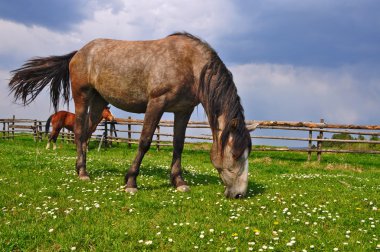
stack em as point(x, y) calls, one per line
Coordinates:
point(128, 130)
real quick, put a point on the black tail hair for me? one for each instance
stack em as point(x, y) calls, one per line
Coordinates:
point(29, 80)
point(47, 126)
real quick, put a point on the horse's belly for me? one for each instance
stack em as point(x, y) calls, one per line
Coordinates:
point(126, 102)
point(134, 106)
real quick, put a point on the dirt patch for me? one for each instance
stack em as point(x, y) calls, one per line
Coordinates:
point(343, 167)
point(265, 160)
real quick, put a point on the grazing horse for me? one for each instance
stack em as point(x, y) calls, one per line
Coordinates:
point(65, 119)
point(173, 74)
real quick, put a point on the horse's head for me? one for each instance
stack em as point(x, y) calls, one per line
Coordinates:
point(233, 170)
point(107, 115)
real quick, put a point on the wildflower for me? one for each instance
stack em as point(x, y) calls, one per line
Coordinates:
point(73, 248)
point(275, 222)
point(170, 240)
point(51, 230)
point(211, 230)
point(256, 231)
point(148, 242)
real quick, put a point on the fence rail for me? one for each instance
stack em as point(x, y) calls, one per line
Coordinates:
point(128, 130)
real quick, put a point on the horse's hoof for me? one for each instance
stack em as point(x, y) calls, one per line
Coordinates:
point(183, 188)
point(84, 177)
point(131, 190)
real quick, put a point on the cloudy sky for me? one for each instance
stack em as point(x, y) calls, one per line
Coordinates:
point(298, 60)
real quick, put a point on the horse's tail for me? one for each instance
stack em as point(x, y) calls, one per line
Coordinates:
point(29, 80)
point(47, 126)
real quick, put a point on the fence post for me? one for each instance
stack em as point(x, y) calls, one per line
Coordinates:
point(310, 145)
point(111, 133)
point(129, 132)
point(63, 135)
point(105, 134)
point(158, 137)
point(4, 129)
point(40, 130)
point(13, 126)
point(319, 143)
point(8, 133)
point(35, 130)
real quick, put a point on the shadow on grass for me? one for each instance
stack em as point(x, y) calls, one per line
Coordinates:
point(255, 189)
point(105, 171)
point(163, 174)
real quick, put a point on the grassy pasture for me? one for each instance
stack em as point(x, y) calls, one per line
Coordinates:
point(292, 205)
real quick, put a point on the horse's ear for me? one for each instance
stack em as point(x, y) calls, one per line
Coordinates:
point(108, 107)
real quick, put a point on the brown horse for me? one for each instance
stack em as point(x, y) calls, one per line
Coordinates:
point(65, 119)
point(173, 74)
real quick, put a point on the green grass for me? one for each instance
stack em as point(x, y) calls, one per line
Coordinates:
point(292, 205)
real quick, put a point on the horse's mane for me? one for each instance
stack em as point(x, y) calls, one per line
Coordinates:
point(218, 92)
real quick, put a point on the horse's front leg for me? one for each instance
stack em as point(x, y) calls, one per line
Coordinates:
point(152, 117)
point(180, 123)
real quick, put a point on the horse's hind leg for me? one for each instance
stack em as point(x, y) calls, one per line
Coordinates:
point(48, 144)
point(88, 111)
point(53, 137)
point(81, 101)
point(180, 123)
point(152, 117)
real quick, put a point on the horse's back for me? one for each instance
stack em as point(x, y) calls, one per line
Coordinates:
point(128, 74)
point(63, 119)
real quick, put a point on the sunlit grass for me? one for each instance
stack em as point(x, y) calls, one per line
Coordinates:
point(292, 205)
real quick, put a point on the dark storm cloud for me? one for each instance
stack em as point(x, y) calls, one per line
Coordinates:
point(319, 33)
point(52, 14)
